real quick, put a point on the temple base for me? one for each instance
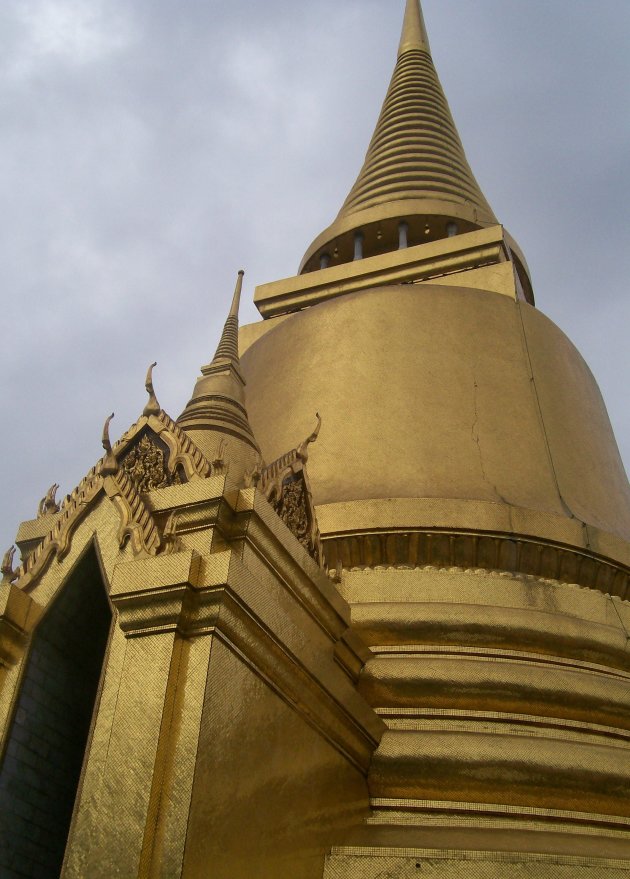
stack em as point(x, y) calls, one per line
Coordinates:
point(400, 863)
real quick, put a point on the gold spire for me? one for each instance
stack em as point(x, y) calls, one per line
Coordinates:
point(216, 416)
point(414, 32)
point(415, 173)
point(228, 345)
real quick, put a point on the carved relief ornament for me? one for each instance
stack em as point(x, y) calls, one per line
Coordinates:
point(162, 455)
point(286, 487)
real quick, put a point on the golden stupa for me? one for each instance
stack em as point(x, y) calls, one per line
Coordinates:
point(361, 611)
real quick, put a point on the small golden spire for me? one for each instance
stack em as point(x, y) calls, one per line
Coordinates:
point(217, 407)
point(110, 464)
point(152, 407)
point(414, 32)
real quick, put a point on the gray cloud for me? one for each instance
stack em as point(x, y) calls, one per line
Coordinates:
point(149, 150)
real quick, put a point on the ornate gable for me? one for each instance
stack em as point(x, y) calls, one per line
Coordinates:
point(153, 453)
point(156, 453)
point(145, 464)
point(56, 543)
point(286, 487)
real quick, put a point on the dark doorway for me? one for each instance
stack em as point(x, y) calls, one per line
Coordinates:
point(42, 762)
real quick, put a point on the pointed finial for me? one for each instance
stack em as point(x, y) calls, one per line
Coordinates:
point(107, 445)
point(48, 503)
point(171, 542)
point(414, 32)
point(252, 476)
point(152, 407)
point(218, 462)
point(302, 449)
point(227, 349)
point(8, 574)
point(110, 464)
point(236, 299)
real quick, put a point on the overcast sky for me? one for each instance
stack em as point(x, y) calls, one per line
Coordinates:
point(151, 148)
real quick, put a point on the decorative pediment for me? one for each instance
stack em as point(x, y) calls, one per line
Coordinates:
point(145, 463)
point(57, 542)
point(136, 523)
point(285, 485)
point(153, 453)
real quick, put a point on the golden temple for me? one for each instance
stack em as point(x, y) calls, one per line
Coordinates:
point(362, 611)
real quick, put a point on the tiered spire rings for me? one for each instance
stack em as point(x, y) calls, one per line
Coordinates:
point(415, 184)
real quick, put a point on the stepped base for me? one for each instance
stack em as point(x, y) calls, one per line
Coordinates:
point(449, 840)
point(403, 863)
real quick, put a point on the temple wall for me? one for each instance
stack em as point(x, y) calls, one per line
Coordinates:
point(271, 792)
point(229, 732)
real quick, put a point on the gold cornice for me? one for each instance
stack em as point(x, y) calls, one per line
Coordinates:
point(245, 518)
point(260, 528)
point(192, 595)
point(450, 548)
point(416, 532)
point(187, 497)
point(495, 816)
point(418, 718)
point(453, 258)
point(469, 516)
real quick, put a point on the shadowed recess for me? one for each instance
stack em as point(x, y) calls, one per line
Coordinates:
point(46, 744)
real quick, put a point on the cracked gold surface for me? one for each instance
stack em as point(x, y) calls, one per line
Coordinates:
point(471, 405)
